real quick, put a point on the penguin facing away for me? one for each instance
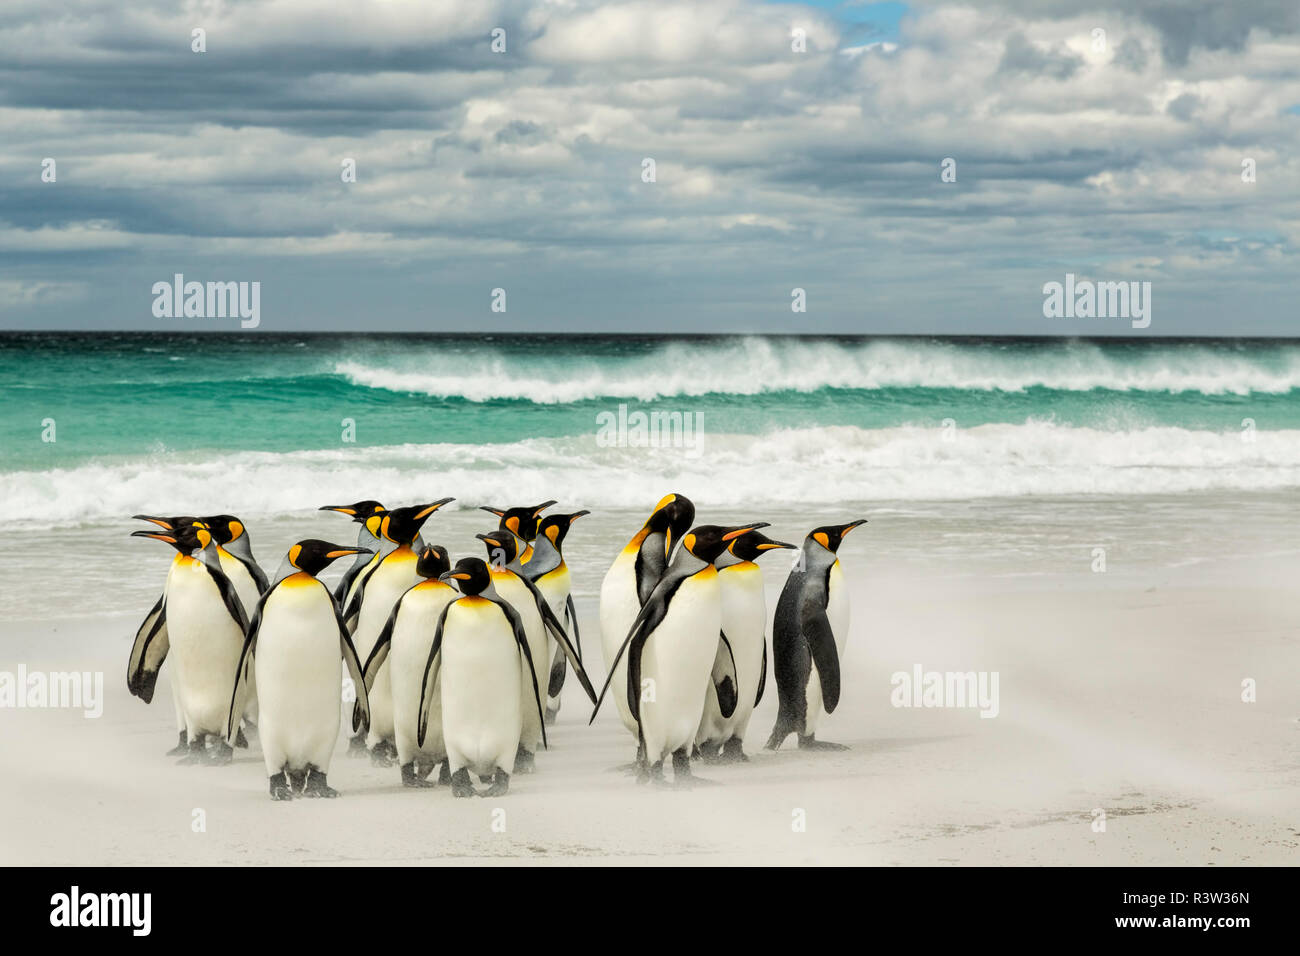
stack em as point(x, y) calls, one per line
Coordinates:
point(522, 523)
point(477, 647)
point(671, 648)
point(293, 644)
point(808, 636)
point(371, 607)
point(548, 571)
point(405, 643)
point(235, 552)
point(150, 647)
point(204, 620)
point(630, 580)
point(742, 648)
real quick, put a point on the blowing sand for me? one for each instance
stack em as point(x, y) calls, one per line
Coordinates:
point(1117, 693)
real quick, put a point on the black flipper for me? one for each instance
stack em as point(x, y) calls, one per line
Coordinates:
point(561, 637)
point(431, 675)
point(558, 669)
point(231, 598)
point(360, 709)
point(383, 644)
point(256, 572)
point(571, 617)
point(148, 652)
point(245, 665)
point(825, 655)
point(726, 682)
point(517, 625)
point(762, 675)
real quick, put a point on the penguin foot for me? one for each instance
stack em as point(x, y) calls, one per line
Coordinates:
point(412, 779)
point(461, 785)
point(778, 737)
point(683, 779)
point(182, 746)
point(240, 740)
point(424, 766)
point(525, 762)
point(379, 756)
point(280, 787)
point(653, 773)
point(194, 752)
point(357, 746)
point(812, 743)
point(219, 753)
point(500, 785)
point(318, 787)
point(444, 774)
point(551, 715)
point(298, 780)
point(708, 753)
point(733, 751)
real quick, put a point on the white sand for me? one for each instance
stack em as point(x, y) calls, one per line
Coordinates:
point(1116, 692)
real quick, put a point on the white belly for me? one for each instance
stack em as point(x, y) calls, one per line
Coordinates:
point(205, 647)
point(481, 716)
point(517, 595)
point(299, 676)
point(619, 606)
point(389, 582)
point(413, 633)
point(744, 621)
point(677, 660)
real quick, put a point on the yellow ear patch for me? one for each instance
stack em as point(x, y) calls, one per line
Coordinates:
point(822, 538)
point(688, 543)
point(293, 554)
point(552, 532)
point(236, 529)
point(513, 524)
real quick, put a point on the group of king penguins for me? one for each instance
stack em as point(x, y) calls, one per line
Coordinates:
point(460, 668)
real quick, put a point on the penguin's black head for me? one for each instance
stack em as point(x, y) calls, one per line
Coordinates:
point(501, 546)
point(433, 562)
point(314, 556)
point(470, 575)
point(555, 527)
point(522, 521)
point(830, 536)
point(752, 545)
point(186, 538)
point(359, 512)
point(168, 524)
point(671, 517)
point(708, 541)
point(403, 524)
point(224, 528)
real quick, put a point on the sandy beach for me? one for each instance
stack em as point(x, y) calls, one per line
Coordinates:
point(1118, 691)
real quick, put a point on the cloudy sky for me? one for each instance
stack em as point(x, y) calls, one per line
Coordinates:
point(774, 168)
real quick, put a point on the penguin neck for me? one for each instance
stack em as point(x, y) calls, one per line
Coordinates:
point(242, 549)
point(728, 560)
point(287, 569)
point(546, 556)
point(816, 558)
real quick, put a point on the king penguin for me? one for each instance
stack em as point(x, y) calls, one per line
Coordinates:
point(671, 648)
point(742, 647)
point(367, 537)
point(808, 635)
point(537, 619)
point(522, 523)
point(149, 650)
point(404, 643)
point(548, 571)
point(293, 646)
point(235, 551)
point(477, 650)
point(631, 578)
point(373, 603)
point(205, 620)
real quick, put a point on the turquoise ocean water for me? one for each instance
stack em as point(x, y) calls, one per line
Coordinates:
point(155, 421)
